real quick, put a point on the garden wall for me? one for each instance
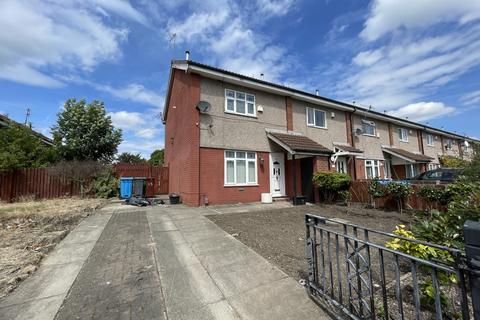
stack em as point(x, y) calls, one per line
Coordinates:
point(359, 191)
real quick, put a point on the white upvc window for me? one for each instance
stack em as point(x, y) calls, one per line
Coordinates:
point(372, 169)
point(411, 170)
point(432, 166)
point(368, 128)
point(430, 140)
point(240, 103)
point(448, 144)
point(240, 168)
point(316, 118)
point(403, 134)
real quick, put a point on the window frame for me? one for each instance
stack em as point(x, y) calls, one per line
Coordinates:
point(234, 159)
point(412, 170)
point(235, 99)
point(400, 135)
point(449, 144)
point(372, 124)
point(313, 125)
point(432, 142)
point(375, 164)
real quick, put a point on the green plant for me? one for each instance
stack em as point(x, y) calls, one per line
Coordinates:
point(375, 190)
point(157, 157)
point(105, 185)
point(431, 194)
point(127, 157)
point(400, 192)
point(331, 183)
point(345, 196)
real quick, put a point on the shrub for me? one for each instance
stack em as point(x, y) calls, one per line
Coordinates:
point(331, 183)
point(105, 185)
point(432, 194)
point(400, 192)
point(376, 190)
point(452, 162)
point(345, 196)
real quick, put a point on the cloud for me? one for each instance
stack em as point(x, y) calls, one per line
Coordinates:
point(147, 133)
point(275, 7)
point(471, 98)
point(423, 111)
point(134, 92)
point(389, 15)
point(144, 147)
point(367, 58)
point(126, 120)
point(59, 37)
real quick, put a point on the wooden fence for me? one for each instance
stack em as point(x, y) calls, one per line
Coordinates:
point(359, 191)
point(35, 182)
point(41, 183)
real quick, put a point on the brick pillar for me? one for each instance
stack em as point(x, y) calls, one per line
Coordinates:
point(420, 141)
point(289, 112)
point(320, 164)
point(390, 134)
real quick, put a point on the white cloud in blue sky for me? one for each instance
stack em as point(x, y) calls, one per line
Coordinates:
point(416, 59)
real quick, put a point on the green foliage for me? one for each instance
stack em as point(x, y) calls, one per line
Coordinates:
point(85, 132)
point(157, 157)
point(345, 196)
point(452, 162)
point(472, 170)
point(400, 192)
point(375, 189)
point(127, 157)
point(431, 193)
point(105, 185)
point(21, 148)
point(331, 183)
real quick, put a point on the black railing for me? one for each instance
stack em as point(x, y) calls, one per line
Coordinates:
point(352, 271)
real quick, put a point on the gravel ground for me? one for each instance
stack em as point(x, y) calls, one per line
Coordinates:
point(31, 229)
point(279, 234)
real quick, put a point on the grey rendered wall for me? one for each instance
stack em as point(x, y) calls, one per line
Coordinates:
point(435, 150)
point(371, 146)
point(411, 145)
point(228, 131)
point(336, 127)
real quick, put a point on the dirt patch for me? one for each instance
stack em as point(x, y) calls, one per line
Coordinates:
point(31, 229)
point(279, 234)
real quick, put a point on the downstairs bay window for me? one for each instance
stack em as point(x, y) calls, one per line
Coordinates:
point(372, 169)
point(240, 168)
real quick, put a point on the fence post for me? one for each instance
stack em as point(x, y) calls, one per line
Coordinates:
point(471, 230)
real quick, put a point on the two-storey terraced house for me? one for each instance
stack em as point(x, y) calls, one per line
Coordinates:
point(229, 138)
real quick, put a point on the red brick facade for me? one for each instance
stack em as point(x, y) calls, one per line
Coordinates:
point(289, 113)
point(212, 179)
point(182, 137)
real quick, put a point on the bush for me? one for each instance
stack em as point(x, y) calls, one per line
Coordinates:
point(452, 162)
point(331, 183)
point(400, 192)
point(105, 185)
point(376, 190)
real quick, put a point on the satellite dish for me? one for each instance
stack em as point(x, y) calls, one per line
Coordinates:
point(358, 131)
point(204, 107)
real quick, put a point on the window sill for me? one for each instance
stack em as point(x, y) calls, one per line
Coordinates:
point(316, 127)
point(240, 185)
point(370, 135)
point(403, 141)
point(241, 114)
point(431, 145)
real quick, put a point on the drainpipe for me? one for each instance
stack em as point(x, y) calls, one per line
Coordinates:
point(353, 143)
point(294, 175)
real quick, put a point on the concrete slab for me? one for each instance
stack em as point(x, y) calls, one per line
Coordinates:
point(283, 299)
point(174, 256)
point(40, 309)
point(220, 242)
point(69, 252)
point(241, 255)
point(202, 234)
point(46, 282)
point(163, 226)
point(195, 224)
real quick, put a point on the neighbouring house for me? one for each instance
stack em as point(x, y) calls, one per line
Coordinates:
point(229, 138)
point(6, 122)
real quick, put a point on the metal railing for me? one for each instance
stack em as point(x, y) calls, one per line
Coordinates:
point(353, 272)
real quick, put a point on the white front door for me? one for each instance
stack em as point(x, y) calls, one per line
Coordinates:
point(341, 165)
point(277, 174)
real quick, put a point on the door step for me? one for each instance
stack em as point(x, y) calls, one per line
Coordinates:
point(285, 198)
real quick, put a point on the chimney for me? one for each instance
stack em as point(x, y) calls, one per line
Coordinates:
point(316, 92)
point(187, 55)
point(261, 75)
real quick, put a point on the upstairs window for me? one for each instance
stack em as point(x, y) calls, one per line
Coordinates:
point(430, 140)
point(368, 128)
point(316, 118)
point(240, 168)
point(448, 144)
point(403, 134)
point(239, 103)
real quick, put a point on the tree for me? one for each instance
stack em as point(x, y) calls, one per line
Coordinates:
point(21, 148)
point(156, 158)
point(85, 132)
point(127, 157)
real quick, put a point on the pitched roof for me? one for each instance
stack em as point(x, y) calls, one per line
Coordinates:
point(348, 148)
point(298, 143)
point(348, 106)
point(415, 157)
point(6, 121)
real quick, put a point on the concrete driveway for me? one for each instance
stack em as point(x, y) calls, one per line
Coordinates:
point(157, 263)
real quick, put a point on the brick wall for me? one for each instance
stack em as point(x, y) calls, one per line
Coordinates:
point(289, 113)
point(360, 168)
point(182, 137)
point(212, 179)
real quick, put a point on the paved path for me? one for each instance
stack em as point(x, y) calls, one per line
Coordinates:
point(158, 263)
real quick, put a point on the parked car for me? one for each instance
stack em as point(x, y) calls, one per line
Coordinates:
point(444, 175)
